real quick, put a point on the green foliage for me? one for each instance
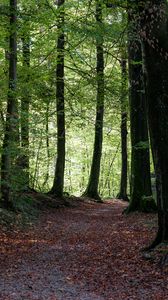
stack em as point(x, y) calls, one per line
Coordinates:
point(24, 203)
point(142, 145)
point(23, 213)
point(38, 20)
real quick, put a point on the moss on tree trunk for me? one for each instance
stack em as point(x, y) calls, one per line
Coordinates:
point(140, 190)
point(155, 48)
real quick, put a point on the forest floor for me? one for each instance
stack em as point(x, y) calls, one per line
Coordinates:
point(88, 252)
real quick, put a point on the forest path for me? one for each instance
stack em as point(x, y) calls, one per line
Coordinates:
point(90, 252)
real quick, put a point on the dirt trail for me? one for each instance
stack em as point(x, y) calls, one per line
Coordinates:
point(91, 252)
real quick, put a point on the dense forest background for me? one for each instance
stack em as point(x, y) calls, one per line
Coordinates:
point(84, 149)
point(76, 78)
point(37, 33)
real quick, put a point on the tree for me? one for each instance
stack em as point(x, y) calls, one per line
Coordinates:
point(152, 19)
point(25, 103)
point(140, 190)
point(11, 134)
point(58, 184)
point(123, 181)
point(92, 188)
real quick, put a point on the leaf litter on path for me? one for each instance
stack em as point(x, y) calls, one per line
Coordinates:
point(89, 252)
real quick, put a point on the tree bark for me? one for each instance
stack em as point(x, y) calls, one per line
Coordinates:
point(25, 102)
point(10, 142)
point(58, 183)
point(140, 190)
point(154, 32)
point(92, 188)
point(123, 182)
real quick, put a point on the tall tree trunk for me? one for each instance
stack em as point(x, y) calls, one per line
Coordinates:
point(10, 141)
point(140, 190)
point(58, 183)
point(154, 32)
point(92, 188)
point(123, 182)
point(25, 101)
point(47, 144)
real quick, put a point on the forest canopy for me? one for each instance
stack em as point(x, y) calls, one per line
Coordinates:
point(36, 80)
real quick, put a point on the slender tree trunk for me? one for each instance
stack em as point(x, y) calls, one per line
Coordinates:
point(154, 32)
point(10, 141)
point(92, 188)
point(24, 159)
point(123, 183)
point(58, 183)
point(47, 144)
point(140, 191)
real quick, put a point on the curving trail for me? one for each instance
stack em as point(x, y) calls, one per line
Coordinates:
point(90, 252)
